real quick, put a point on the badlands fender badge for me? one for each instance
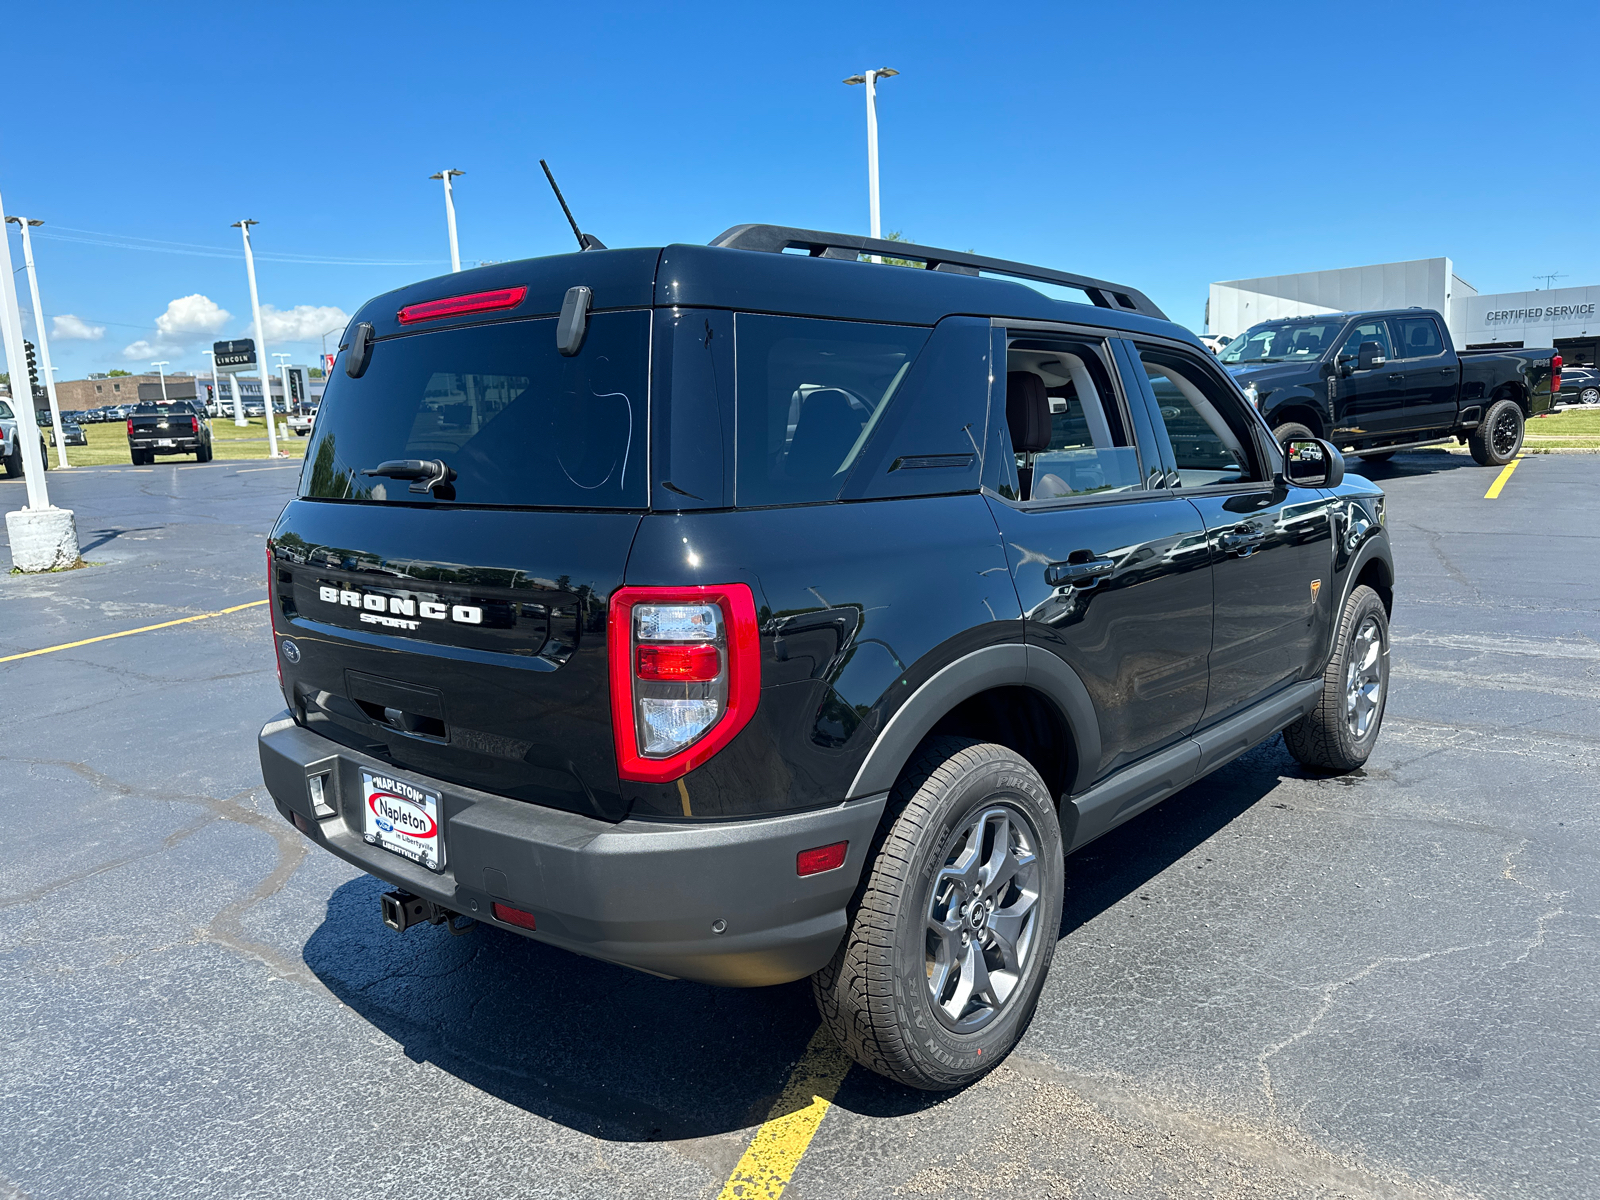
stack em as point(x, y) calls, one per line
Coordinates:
point(1316, 586)
point(399, 612)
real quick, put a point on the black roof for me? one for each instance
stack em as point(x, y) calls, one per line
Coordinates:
point(764, 279)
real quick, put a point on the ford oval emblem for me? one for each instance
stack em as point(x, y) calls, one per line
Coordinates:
point(290, 650)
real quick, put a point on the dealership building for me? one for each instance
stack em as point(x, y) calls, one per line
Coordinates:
point(1566, 318)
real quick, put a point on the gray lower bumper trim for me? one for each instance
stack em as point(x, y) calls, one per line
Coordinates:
point(641, 893)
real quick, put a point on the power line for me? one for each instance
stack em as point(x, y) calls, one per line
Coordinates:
point(117, 241)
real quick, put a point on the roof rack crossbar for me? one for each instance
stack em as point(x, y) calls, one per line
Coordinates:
point(776, 239)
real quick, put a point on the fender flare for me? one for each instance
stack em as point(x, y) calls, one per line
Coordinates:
point(1377, 547)
point(1011, 665)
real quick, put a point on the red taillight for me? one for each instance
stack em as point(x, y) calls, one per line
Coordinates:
point(685, 675)
point(678, 664)
point(130, 426)
point(1555, 375)
point(513, 916)
point(820, 858)
point(194, 426)
point(459, 306)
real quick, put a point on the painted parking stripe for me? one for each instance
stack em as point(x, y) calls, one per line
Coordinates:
point(773, 1154)
point(106, 637)
point(1500, 480)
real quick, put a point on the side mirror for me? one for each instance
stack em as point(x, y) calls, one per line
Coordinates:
point(1312, 462)
point(1369, 355)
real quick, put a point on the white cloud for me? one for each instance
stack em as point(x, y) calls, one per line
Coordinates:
point(190, 315)
point(140, 349)
point(68, 328)
point(302, 323)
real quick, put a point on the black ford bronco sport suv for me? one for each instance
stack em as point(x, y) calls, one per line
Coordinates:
point(739, 614)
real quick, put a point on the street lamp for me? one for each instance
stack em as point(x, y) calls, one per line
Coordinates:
point(870, 78)
point(26, 223)
point(283, 375)
point(163, 377)
point(261, 341)
point(450, 214)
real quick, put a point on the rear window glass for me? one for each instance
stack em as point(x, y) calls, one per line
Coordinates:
point(518, 423)
point(810, 394)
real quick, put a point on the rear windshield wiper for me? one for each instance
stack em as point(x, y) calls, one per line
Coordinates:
point(425, 473)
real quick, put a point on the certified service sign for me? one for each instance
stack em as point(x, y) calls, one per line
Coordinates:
point(403, 818)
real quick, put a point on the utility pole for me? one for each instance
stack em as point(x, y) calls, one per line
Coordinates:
point(43, 538)
point(162, 375)
point(450, 215)
point(870, 78)
point(261, 339)
point(44, 342)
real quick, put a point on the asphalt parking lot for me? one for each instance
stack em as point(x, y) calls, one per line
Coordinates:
point(1386, 984)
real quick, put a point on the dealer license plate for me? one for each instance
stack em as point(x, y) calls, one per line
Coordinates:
point(403, 818)
point(163, 441)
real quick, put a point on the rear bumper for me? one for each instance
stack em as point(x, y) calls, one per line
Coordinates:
point(641, 893)
point(185, 445)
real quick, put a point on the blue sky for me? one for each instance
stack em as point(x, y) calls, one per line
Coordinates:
point(1161, 145)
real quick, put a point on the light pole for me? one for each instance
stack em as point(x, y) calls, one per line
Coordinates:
point(43, 538)
point(871, 78)
point(162, 375)
point(450, 214)
point(216, 392)
point(283, 375)
point(261, 340)
point(44, 343)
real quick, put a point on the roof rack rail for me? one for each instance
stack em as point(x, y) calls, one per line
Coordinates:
point(778, 238)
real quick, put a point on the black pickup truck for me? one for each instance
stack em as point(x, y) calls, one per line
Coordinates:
point(1373, 383)
point(178, 427)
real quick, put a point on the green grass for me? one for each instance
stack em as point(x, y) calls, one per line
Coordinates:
point(108, 444)
point(1575, 429)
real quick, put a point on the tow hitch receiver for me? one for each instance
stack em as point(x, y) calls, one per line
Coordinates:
point(402, 910)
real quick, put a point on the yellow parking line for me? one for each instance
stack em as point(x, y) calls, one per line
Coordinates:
point(776, 1150)
point(106, 637)
point(1500, 480)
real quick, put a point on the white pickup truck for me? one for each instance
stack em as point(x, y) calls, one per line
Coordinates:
point(10, 449)
point(302, 420)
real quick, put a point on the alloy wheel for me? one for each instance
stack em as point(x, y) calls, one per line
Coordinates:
point(1506, 433)
point(1363, 692)
point(983, 917)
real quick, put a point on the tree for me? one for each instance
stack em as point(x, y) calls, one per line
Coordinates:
point(113, 373)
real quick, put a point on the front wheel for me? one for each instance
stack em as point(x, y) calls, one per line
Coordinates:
point(1496, 441)
point(955, 922)
point(1338, 735)
point(1589, 395)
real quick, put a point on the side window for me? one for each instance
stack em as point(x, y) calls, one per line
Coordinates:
point(1068, 432)
point(809, 394)
point(1204, 422)
point(1418, 337)
point(1367, 331)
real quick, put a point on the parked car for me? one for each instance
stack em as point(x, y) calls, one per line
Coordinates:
point(176, 427)
point(10, 443)
point(73, 432)
point(1580, 385)
point(1214, 343)
point(302, 420)
point(1377, 382)
point(916, 586)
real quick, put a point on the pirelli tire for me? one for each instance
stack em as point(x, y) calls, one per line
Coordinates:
point(1339, 734)
point(1498, 437)
point(942, 907)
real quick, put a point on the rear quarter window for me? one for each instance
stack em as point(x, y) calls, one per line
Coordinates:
point(810, 394)
point(519, 423)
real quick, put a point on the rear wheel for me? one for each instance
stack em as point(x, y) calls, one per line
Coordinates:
point(955, 922)
point(1340, 732)
point(1589, 395)
point(13, 464)
point(203, 454)
point(44, 455)
point(1292, 431)
point(1496, 441)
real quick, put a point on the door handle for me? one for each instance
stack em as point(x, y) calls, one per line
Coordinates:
point(1079, 574)
point(1243, 541)
point(1397, 378)
point(1447, 370)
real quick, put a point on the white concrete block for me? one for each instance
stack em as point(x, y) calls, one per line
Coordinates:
point(42, 539)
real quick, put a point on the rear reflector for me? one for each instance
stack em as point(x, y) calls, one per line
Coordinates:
point(458, 306)
point(820, 859)
point(679, 664)
point(513, 916)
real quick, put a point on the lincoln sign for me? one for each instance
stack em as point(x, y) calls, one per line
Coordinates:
point(235, 356)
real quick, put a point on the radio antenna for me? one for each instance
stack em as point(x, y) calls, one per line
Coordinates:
point(586, 241)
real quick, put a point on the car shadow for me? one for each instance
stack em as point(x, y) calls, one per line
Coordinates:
point(625, 1056)
point(1409, 463)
